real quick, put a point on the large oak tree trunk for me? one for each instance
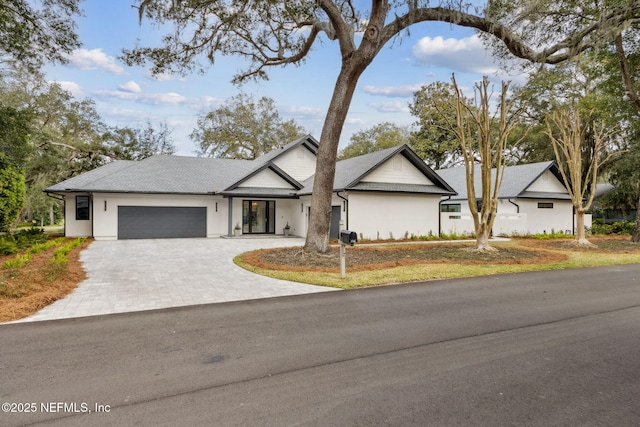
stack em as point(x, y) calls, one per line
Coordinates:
point(317, 240)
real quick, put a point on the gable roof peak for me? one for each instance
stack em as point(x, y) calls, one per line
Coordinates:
point(307, 141)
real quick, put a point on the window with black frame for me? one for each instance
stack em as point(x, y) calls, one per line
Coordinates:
point(82, 208)
point(450, 208)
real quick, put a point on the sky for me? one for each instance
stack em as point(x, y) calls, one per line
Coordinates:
point(131, 96)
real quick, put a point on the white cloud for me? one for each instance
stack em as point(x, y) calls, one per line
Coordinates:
point(131, 87)
point(390, 107)
point(129, 92)
point(392, 91)
point(302, 112)
point(355, 121)
point(71, 87)
point(180, 123)
point(464, 55)
point(94, 59)
point(126, 115)
point(205, 103)
point(169, 98)
point(164, 77)
point(116, 94)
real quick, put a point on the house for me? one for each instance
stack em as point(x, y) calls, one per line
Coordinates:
point(533, 199)
point(384, 194)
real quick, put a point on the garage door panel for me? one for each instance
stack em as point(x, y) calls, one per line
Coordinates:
point(161, 222)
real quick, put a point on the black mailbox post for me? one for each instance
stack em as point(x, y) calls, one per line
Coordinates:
point(348, 237)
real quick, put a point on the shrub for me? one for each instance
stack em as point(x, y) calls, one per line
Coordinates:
point(18, 262)
point(41, 247)
point(27, 237)
point(8, 246)
point(618, 227)
point(552, 235)
point(60, 254)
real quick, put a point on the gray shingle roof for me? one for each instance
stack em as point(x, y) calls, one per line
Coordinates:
point(350, 171)
point(160, 174)
point(198, 175)
point(515, 182)
point(88, 178)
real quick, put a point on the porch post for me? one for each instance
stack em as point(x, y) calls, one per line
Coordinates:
point(230, 218)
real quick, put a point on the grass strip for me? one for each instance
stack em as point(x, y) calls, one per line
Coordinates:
point(436, 270)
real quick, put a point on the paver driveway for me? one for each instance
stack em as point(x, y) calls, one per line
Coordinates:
point(136, 275)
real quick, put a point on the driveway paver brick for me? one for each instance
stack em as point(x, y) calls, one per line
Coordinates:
point(136, 275)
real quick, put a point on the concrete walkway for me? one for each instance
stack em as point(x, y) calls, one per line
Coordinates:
point(137, 275)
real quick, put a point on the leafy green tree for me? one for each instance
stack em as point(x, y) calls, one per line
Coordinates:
point(14, 154)
point(622, 77)
point(12, 192)
point(279, 33)
point(624, 174)
point(33, 32)
point(577, 83)
point(14, 135)
point(434, 141)
point(243, 128)
point(65, 136)
point(379, 137)
point(129, 143)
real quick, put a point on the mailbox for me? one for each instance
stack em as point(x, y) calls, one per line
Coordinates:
point(348, 237)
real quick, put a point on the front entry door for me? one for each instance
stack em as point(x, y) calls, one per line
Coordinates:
point(258, 217)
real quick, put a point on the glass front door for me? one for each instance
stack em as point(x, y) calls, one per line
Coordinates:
point(258, 217)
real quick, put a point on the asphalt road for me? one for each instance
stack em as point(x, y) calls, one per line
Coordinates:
point(537, 349)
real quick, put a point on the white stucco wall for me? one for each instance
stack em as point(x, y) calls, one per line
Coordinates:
point(105, 224)
point(529, 220)
point(385, 214)
point(560, 218)
point(547, 183)
point(293, 211)
point(397, 170)
point(298, 163)
point(72, 227)
point(266, 179)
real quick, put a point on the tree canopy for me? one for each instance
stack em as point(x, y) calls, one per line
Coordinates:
point(47, 136)
point(14, 155)
point(33, 32)
point(381, 136)
point(127, 143)
point(15, 129)
point(243, 128)
point(434, 140)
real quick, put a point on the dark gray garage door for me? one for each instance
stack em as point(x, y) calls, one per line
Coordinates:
point(160, 222)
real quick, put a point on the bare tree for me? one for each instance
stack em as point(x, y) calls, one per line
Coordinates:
point(567, 133)
point(482, 138)
point(279, 33)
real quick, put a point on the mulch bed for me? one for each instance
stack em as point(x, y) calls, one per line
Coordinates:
point(608, 244)
point(361, 258)
point(27, 289)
